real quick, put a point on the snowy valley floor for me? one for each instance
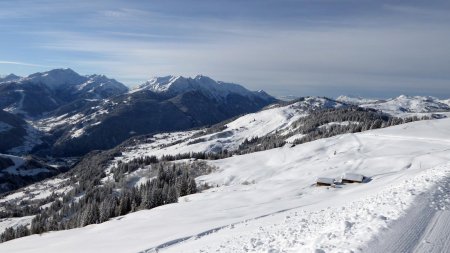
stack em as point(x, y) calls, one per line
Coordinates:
point(265, 202)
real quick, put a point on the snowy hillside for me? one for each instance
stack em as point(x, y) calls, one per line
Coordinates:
point(17, 172)
point(276, 119)
point(401, 105)
point(18, 136)
point(356, 100)
point(266, 201)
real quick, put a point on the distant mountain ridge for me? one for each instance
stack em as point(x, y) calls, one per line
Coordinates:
point(76, 114)
point(8, 78)
point(43, 92)
point(401, 105)
point(175, 85)
point(163, 105)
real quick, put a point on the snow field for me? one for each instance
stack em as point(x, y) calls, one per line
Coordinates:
point(265, 201)
point(341, 228)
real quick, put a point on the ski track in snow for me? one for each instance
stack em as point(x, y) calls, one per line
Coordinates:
point(346, 226)
point(423, 229)
point(264, 201)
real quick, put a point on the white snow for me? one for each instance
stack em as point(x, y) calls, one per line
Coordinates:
point(18, 161)
point(209, 87)
point(353, 177)
point(31, 139)
point(402, 106)
point(325, 180)
point(17, 107)
point(77, 133)
point(294, 137)
point(356, 100)
point(15, 222)
point(343, 123)
point(266, 201)
point(274, 119)
point(37, 191)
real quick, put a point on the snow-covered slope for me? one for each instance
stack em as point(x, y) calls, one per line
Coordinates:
point(356, 100)
point(266, 201)
point(274, 119)
point(174, 85)
point(17, 135)
point(17, 172)
point(102, 86)
point(14, 222)
point(401, 105)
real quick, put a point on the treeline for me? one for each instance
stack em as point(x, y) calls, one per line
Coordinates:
point(95, 202)
point(25, 208)
point(92, 201)
point(314, 126)
point(317, 124)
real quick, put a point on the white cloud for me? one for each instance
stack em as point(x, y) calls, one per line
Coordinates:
point(22, 64)
point(388, 47)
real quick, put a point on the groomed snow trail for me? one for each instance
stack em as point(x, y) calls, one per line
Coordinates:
point(265, 201)
point(340, 228)
point(424, 228)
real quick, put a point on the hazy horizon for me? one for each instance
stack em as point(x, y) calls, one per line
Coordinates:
point(328, 48)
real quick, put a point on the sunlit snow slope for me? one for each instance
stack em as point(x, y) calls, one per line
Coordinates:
point(266, 201)
point(275, 119)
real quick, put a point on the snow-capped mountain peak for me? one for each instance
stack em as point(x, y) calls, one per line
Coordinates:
point(9, 78)
point(56, 78)
point(101, 83)
point(67, 79)
point(45, 91)
point(159, 84)
point(174, 85)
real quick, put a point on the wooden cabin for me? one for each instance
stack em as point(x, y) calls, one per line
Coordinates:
point(325, 181)
point(352, 178)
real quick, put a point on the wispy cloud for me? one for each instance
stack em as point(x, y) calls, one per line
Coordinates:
point(23, 64)
point(304, 47)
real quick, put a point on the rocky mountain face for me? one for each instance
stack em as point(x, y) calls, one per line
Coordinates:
point(12, 131)
point(104, 124)
point(74, 114)
point(40, 93)
point(16, 172)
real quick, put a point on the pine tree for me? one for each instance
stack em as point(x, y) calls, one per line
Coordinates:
point(172, 196)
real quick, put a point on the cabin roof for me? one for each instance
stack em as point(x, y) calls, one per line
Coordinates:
point(325, 180)
point(353, 177)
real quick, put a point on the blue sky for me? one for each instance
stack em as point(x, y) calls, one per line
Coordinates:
point(286, 47)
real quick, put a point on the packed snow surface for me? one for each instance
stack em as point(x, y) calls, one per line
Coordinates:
point(266, 201)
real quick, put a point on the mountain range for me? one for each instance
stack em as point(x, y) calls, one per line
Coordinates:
point(401, 104)
point(255, 176)
point(60, 113)
point(72, 114)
